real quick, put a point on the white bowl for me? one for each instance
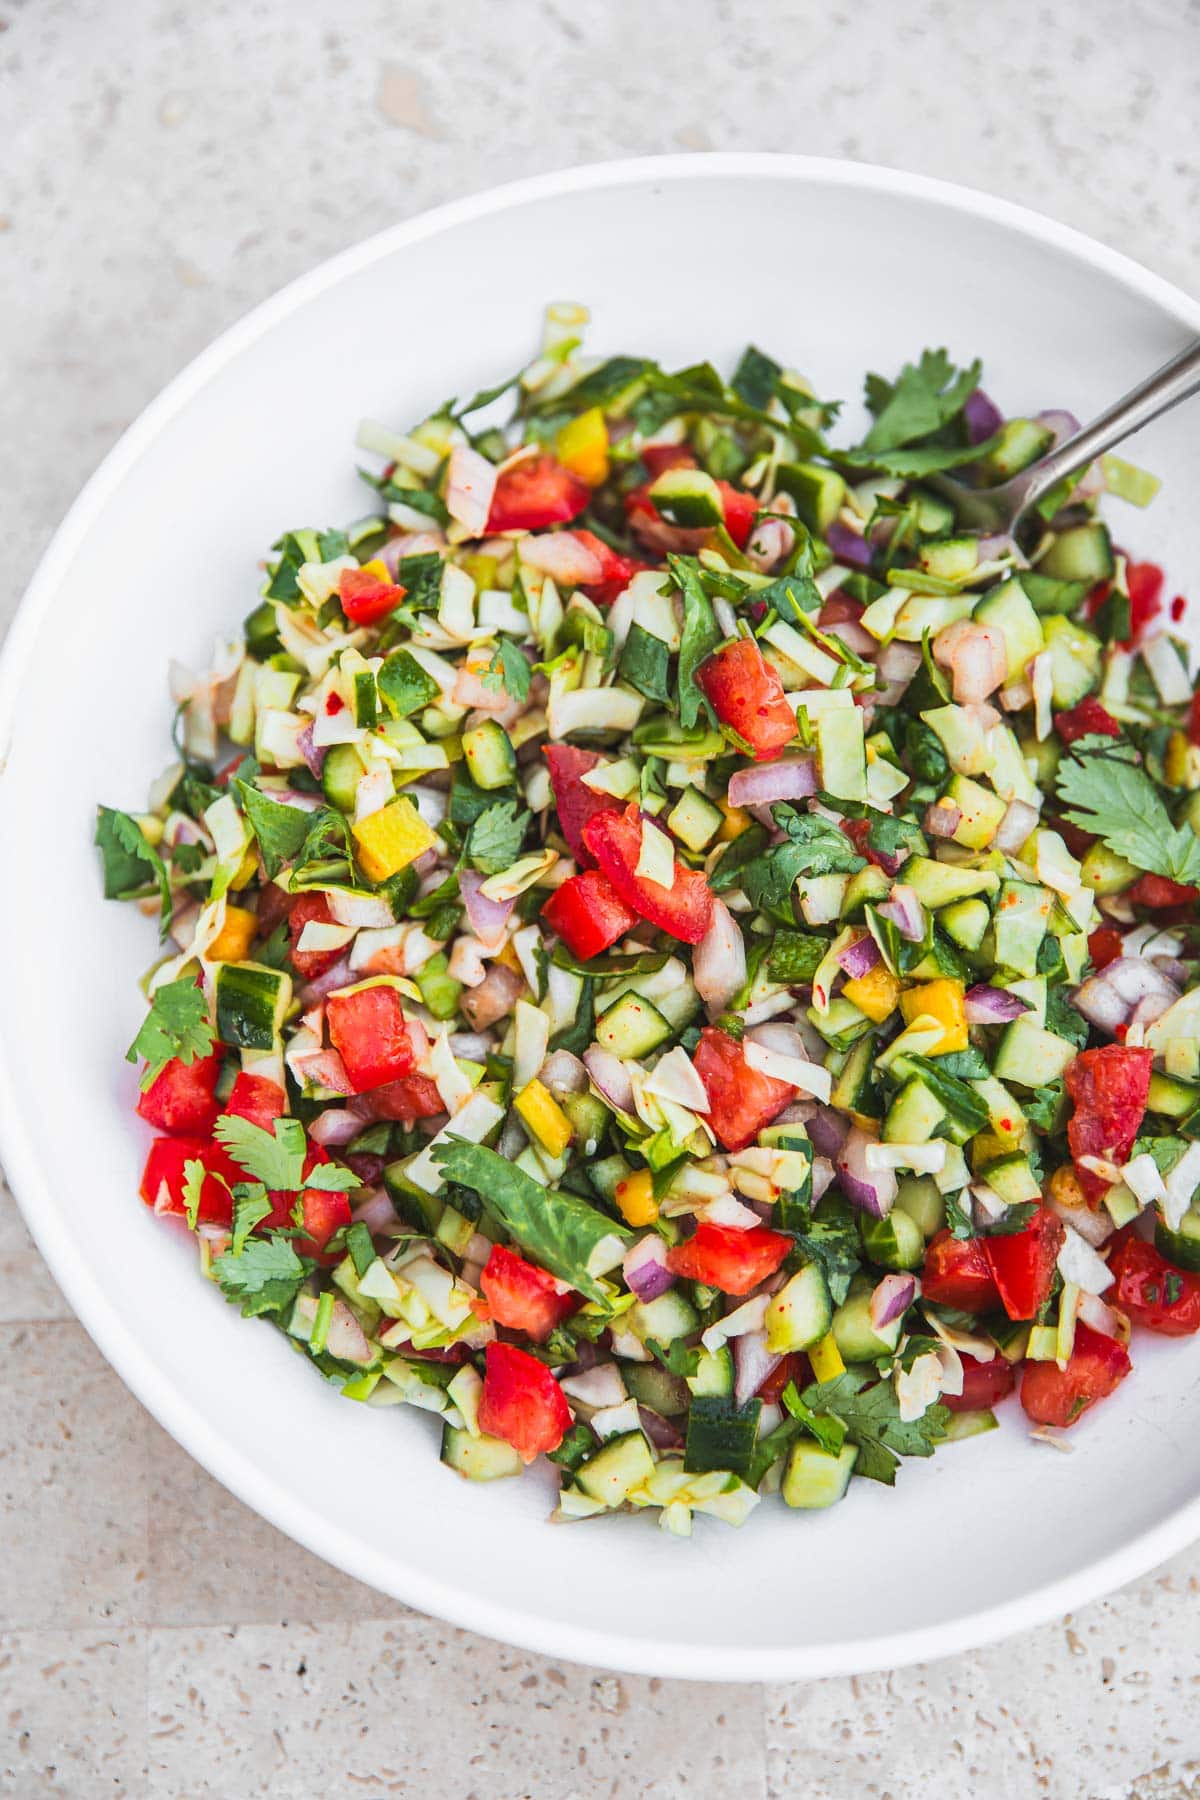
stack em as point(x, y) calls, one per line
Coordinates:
point(837, 268)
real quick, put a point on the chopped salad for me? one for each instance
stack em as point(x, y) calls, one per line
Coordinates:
point(678, 958)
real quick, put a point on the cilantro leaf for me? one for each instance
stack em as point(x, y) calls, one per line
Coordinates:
point(795, 956)
point(700, 637)
point(404, 685)
point(815, 846)
point(132, 866)
point(194, 1176)
point(251, 1204)
point(495, 839)
point(1063, 1020)
point(829, 1236)
point(924, 398)
point(644, 663)
point(871, 1415)
point(177, 1025)
point(1043, 1108)
point(829, 1432)
point(508, 671)
point(265, 1277)
point(754, 380)
point(1108, 794)
point(280, 830)
point(680, 1358)
point(276, 1157)
point(331, 1178)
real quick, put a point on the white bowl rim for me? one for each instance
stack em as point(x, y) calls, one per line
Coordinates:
point(93, 1303)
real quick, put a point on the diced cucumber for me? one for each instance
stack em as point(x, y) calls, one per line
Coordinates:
point(679, 1005)
point(619, 1466)
point(853, 1333)
point(695, 820)
point(940, 884)
point(262, 631)
point(1008, 608)
point(864, 887)
point(855, 1089)
point(1084, 553)
point(1031, 1057)
point(841, 753)
point(714, 1372)
point(666, 737)
point(918, 1197)
point(800, 1313)
point(1173, 1098)
point(479, 1458)
point(413, 1204)
point(721, 1435)
point(966, 922)
point(439, 990)
point(1105, 872)
point(341, 773)
point(665, 1319)
point(1012, 1178)
point(653, 1386)
point(915, 1115)
point(605, 1175)
point(251, 1003)
point(1074, 660)
point(632, 1028)
point(490, 756)
point(687, 497)
point(819, 493)
point(1181, 1247)
point(1021, 915)
point(1019, 442)
point(589, 1119)
point(895, 1242)
point(815, 1478)
point(981, 810)
point(935, 516)
point(951, 559)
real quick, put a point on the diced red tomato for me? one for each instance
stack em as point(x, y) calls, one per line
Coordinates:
point(255, 1098)
point(522, 1403)
point(308, 964)
point(523, 1297)
point(984, 1384)
point(588, 913)
point(365, 598)
point(739, 509)
point(1104, 946)
point(1153, 1291)
point(1054, 1396)
point(1156, 892)
point(957, 1274)
point(165, 1174)
point(1022, 1263)
point(1194, 719)
point(574, 802)
point(616, 571)
point(182, 1098)
point(1089, 718)
point(1145, 584)
point(1109, 1087)
point(324, 1213)
point(684, 909)
point(368, 1030)
point(747, 695)
point(741, 1100)
point(840, 609)
point(734, 1261)
point(793, 1367)
point(658, 458)
point(412, 1097)
point(536, 493)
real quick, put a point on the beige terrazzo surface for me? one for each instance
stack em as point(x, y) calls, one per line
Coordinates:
point(162, 167)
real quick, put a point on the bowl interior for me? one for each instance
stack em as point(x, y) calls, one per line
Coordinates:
point(835, 271)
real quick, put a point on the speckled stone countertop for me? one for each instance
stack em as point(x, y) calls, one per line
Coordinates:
point(163, 167)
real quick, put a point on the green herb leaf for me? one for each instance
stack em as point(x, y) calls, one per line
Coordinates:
point(275, 1157)
point(495, 839)
point(559, 1230)
point(194, 1176)
point(829, 1236)
point(1108, 794)
point(264, 1278)
point(700, 637)
point(280, 830)
point(508, 670)
point(251, 1205)
point(923, 399)
point(644, 663)
point(176, 1026)
point(755, 378)
point(404, 684)
point(132, 866)
point(331, 1178)
point(816, 846)
point(829, 1432)
point(871, 1415)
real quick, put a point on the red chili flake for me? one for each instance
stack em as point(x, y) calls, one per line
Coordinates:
point(334, 703)
point(1178, 607)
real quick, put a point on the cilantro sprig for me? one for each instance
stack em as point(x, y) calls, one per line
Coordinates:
point(276, 1157)
point(177, 1026)
point(1105, 791)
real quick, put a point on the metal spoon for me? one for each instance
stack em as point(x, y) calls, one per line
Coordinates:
point(1004, 508)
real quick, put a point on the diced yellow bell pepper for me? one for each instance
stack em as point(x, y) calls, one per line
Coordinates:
point(508, 956)
point(874, 993)
point(736, 821)
point(481, 569)
point(379, 569)
point(826, 1359)
point(1175, 762)
point(941, 1000)
point(247, 870)
point(390, 839)
point(540, 1111)
point(582, 447)
point(232, 943)
point(635, 1198)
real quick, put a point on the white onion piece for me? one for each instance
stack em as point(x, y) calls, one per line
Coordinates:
point(1018, 821)
point(473, 1046)
point(562, 556)
point(719, 960)
point(470, 485)
point(752, 1363)
point(1096, 1227)
point(942, 819)
point(1109, 998)
point(488, 918)
point(563, 1073)
point(610, 1078)
point(335, 1127)
point(873, 1191)
point(976, 657)
point(1098, 1316)
point(375, 1210)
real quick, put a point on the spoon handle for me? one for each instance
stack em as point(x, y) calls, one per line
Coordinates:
point(1175, 381)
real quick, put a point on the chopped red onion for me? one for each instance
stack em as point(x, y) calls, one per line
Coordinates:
point(854, 636)
point(1062, 423)
point(375, 1210)
point(313, 754)
point(488, 918)
point(822, 1177)
point(848, 546)
point(752, 1363)
point(335, 1127)
point(366, 1165)
point(326, 1069)
point(905, 912)
point(610, 1077)
point(895, 666)
point(785, 1040)
point(563, 1073)
point(645, 1268)
point(993, 544)
point(873, 1191)
point(983, 417)
point(339, 976)
point(1019, 820)
point(993, 1006)
point(719, 960)
point(859, 958)
point(893, 1296)
point(827, 1131)
point(791, 778)
point(663, 1434)
point(494, 998)
point(941, 821)
point(1110, 998)
point(475, 1046)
